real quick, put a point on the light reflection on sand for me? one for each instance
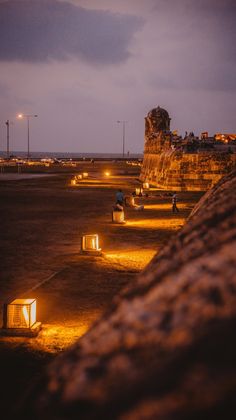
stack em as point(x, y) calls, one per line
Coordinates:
point(166, 206)
point(131, 259)
point(173, 223)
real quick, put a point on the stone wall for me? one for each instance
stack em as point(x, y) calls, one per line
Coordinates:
point(176, 170)
point(166, 349)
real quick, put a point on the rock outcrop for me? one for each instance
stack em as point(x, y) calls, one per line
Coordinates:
point(166, 349)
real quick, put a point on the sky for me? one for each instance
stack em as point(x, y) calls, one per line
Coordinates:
point(83, 65)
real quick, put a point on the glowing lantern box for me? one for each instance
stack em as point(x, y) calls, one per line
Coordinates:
point(85, 174)
point(20, 318)
point(90, 245)
point(129, 201)
point(146, 185)
point(118, 216)
point(73, 182)
point(138, 191)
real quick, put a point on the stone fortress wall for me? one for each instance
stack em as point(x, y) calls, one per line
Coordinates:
point(176, 163)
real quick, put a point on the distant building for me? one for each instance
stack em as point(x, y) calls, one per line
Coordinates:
point(225, 137)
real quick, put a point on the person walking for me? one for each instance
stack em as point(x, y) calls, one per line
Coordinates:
point(174, 203)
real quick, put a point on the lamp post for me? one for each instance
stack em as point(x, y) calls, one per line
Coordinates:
point(7, 124)
point(123, 136)
point(27, 116)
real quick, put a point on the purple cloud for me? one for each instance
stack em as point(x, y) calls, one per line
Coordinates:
point(42, 30)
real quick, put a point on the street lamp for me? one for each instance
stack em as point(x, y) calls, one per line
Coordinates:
point(7, 124)
point(27, 116)
point(123, 137)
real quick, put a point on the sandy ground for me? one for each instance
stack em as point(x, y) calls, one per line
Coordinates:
point(19, 177)
point(42, 221)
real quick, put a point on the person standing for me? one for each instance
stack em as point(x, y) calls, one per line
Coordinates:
point(174, 203)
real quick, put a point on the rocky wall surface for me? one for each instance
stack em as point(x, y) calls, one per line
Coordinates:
point(166, 348)
point(175, 170)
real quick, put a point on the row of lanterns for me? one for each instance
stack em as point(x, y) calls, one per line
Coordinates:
point(19, 316)
point(78, 178)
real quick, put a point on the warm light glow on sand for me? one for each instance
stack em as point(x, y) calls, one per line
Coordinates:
point(54, 338)
point(96, 183)
point(170, 223)
point(165, 206)
point(57, 337)
point(131, 259)
point(92, 181)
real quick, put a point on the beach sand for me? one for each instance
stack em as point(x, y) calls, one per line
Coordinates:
point(42, 221)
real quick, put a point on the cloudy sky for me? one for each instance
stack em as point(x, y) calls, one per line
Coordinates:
point(81, 65)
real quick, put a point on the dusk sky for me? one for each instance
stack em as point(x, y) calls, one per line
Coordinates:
point(81, 65)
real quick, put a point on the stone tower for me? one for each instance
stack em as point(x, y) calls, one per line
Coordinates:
point(157, 120)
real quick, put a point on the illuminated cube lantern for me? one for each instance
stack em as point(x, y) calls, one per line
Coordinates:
point(146, 185)
point(79, 176)
point(20, 318)
point(138, 191)
point(90, 244)
point(129, 201)
point(73, 181)
point(85, 174)
point(118, 217)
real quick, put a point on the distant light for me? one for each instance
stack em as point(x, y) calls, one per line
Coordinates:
point(20, 116)
point(85, 174)
point(146, 185)
point(107, 173)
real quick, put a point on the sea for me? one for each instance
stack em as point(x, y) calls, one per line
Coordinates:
point(68, 155)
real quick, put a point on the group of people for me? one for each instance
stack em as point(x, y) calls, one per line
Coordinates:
point(128, 201)
point(120, 200)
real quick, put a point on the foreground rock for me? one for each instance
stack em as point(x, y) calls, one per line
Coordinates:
point(166, 349)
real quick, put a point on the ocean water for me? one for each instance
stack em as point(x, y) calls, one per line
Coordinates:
point(66, 155)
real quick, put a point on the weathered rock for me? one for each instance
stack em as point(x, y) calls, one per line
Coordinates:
point(166, 349)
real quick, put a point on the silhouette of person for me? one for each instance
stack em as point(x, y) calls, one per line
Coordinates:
point(174, 203)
